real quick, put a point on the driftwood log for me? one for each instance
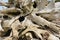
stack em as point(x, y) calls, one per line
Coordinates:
point(29, 20)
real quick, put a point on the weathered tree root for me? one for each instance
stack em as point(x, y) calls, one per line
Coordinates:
point(39, 33)
point(41, 21)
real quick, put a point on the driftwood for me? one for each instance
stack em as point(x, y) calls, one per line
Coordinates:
point(43, 22)
point(32, 27)
point(29, 20)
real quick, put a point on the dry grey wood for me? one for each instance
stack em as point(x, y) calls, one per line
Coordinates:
point(4, 4)
point(32, 27)
point(9, 22)
point(40, 21)
point(1, 29)
point(13, 9)
point(28, 25)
